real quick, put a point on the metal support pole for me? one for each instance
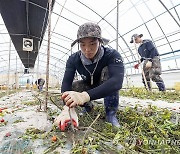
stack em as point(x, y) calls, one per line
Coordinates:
point(127, 79)
point(48, 53)
point(117, 28)
point(16, 76)
point(173, 19)
point(38, 67)
point(169, 13)
point(9, 67)
point(32, 82)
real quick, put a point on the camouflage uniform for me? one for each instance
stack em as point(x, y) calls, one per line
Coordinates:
point(153, 73)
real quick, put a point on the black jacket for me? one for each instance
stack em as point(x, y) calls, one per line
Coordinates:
point(147, 50)
point(111, 58)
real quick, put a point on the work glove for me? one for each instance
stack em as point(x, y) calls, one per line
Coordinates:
point(73, 98)
point(136, 66)
point(148, 64)
point(63, 120)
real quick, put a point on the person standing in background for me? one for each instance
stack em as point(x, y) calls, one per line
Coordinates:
point(152, 65)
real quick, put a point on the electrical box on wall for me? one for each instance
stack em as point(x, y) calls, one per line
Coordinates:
point(27, 44)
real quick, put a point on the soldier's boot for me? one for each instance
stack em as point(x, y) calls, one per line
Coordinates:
point(111, 103)
point(161, 86)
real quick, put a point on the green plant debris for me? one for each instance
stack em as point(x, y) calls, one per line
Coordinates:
point(19, 120)
point(143, 130)
point(53, 113)
point(34, 133)
point(141, 93)
point(30, 103)
point(3, 123)
point(4, 93)
point(53, 145)
point(148, 130)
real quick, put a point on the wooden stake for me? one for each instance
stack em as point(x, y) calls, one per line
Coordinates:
point(141, 66)
point(48, 53)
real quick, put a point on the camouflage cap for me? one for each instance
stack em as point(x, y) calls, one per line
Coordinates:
point(89, 30)
point(134, 36)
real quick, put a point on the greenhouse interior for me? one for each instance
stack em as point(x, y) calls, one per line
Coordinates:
point(89, 77)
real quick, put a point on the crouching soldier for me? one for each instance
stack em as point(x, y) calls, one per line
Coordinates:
point(102, 73)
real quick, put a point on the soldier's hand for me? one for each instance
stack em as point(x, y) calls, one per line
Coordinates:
point(73, 98)
point(64, 118)
point(149, 64)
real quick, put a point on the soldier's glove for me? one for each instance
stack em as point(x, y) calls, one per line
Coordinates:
point(148, 64)
point(136, 66)
point(64, 119)
point(73, 98)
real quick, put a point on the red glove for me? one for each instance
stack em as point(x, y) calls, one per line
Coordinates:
point(136, 66)
point(63, 120)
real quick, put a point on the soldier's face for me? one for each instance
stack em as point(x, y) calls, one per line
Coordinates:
point(137, 40)
point(89, 47)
